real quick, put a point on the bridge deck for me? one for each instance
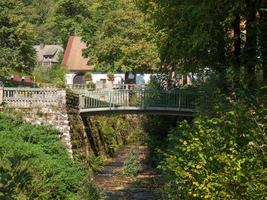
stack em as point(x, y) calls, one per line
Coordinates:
point(180, 102)
point(138, 110)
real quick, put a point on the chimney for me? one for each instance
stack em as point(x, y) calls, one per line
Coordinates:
point(42, 45)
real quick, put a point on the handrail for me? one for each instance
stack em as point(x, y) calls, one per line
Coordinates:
point(26, 97)
point(138, 98)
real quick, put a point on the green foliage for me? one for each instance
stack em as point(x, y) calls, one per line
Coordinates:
point(157, 128)
point(105, 135)
point(96, 163)
point(222, 155)
point(184, 42)
point(69, 16)
point(111, 132)
point(88, 76)
point(16, 39)
point(196, 35)
point(41, 14)
point(35, 165)
point(132, 164)
point(54, 75)
point(119, 41)
point(57, 74)
point(91, 85)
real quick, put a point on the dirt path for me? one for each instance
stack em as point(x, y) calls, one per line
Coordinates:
point(116, 186)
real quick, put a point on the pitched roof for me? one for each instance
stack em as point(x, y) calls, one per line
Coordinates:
point(48, 50)
point(73, 57)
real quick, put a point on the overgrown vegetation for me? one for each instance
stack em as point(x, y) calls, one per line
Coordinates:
point(111, 132)
point(103, 135)
point(221, 154)
point(54, 75)
point(132, 164)
point(226, 38)
point(35, 164)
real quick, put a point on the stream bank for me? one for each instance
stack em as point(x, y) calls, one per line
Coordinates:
point(114, 185)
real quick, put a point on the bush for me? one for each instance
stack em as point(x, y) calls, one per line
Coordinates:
point(132, 164)
point(35, 165)
point(221, 155)
point(110, 76)
point(91, 85)
point(54, 75)
point(88, 76)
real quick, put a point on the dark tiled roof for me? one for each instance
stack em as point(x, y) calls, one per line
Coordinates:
point(48, 50)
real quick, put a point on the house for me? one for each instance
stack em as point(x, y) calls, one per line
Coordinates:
point(78, 65)
point(48, 55)
point(74, 60)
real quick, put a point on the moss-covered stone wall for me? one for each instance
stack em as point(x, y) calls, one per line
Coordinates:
point(85, 137)
point(96, 136)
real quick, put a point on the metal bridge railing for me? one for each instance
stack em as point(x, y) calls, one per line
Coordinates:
point(183, 99)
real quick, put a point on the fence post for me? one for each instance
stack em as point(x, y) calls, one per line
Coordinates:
point(109, 100)
point(61, 97)
point(179, 97)
point(81, 101)
point(1, 95)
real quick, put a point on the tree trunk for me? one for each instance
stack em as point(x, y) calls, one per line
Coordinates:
point(222, 67)
point(237, 50)
point(184, 77)
point(251, 44)
point(263, 29)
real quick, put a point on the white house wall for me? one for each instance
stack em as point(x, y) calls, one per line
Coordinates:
point(118, 78)
point(69, 78)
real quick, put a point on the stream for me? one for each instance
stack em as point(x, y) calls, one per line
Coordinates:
point(116, 186)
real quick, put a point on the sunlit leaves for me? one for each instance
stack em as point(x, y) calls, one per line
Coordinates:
point(122, 39)
point(220, 157)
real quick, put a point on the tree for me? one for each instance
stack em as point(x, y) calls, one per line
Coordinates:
point(220, 155)
point(41, 14)
point(16, 39)
point(121, 40)
point(69, 16)
point(250, 49)
point(219, 35)
point(193, 34)
point(263, 36)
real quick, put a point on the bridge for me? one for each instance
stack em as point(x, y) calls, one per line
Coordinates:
point(180, 102)
point(138, 101)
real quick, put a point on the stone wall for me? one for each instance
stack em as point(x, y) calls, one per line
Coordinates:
point(99, 136)
point(54, 115)
point(80, 144)
point(85, 137)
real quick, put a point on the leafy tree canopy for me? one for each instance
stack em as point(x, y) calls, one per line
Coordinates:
point(17, 53)
point(121, 39)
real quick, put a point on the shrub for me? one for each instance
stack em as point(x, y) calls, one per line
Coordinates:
point(54, 75)
point(91, 85)
point(221, 155)
point(132, 164)
point(88, 76)
point(110, 76)
point(35, 165)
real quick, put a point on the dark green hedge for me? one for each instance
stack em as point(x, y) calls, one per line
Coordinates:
point(34, 164)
